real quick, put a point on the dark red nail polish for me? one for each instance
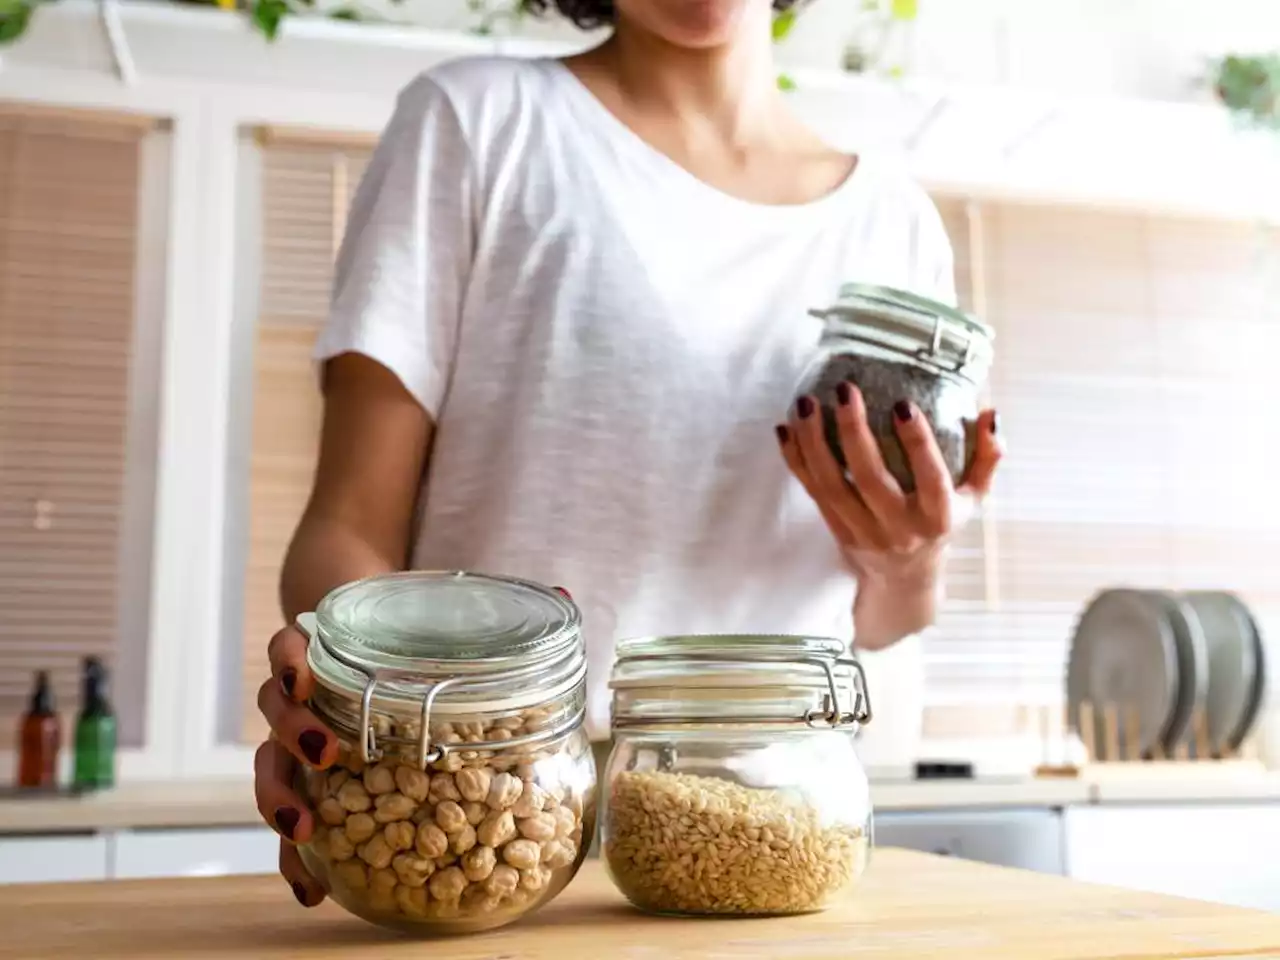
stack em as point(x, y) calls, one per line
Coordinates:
point(783, 433)
point(287, 821)
point(995, 422)
point(804, 408)
point(561, 590)
point(289, 680)
point(300, 892)
point(312, 743)
point(844, 394)
point(902, 410)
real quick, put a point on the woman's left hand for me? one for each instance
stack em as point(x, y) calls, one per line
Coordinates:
point(894, 542)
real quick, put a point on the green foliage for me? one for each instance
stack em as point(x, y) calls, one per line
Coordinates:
point(15, 16)
point(1250, 88)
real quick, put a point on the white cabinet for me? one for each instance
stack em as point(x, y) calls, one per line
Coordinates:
point(1030, 839)
point(195, 853)
point(1226, 853)
point(52, 859)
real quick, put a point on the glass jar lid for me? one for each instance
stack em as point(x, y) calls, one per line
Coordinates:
point(902, 326)
point(421, 645)
point(738, 680)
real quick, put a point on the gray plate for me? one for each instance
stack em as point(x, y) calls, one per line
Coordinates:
point(1125, 653)
point(1260, 682)
point(1232, 645)
point(1193, 666)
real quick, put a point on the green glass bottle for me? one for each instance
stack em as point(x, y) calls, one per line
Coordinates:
point(95, 739)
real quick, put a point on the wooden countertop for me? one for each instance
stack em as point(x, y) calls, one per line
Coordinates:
point(911, 905)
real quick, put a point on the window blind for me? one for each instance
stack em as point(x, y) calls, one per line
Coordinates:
point(1133, 381)
point(307, 185)
point(69, 219)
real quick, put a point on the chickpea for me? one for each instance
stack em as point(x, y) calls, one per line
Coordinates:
point(352, 761)
point(400, 835)
point(354, 797)
point(431, 842)
point(443, 788)
point(413, 783)
point(382, 881)
point(424, 814)
point(475, 811)
point(315, 784)
point(332, 812)
point(448, 884)
point(446, 859)
point(463, 840)
point(496, 829)
point(340, 847)
point(450, 818)
point(336, 779)
point(534, 879)
point(392, 807)
point(377, 852)
point(522, 854)
point(540, 827)
point(320, 842)
point(530, 802)
point(503, 881)
point(412, 900)
point(379, 779)
point(566, 822)
point(478, 863)
point(504, 791)
point(351, 874)
point(558, 853)
point(360, 827)
point(473, 783)
point(412, 871)
point(509, 724)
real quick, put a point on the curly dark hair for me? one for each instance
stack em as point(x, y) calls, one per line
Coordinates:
point(589, 14)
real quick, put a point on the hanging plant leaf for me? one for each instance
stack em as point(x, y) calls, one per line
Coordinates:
point(15, 15)
point(904, 9)
point(267, 16)
point(785, 83)
point(782, 24)
point(350, 14)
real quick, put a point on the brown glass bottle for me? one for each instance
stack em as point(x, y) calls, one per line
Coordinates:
point(39, 738)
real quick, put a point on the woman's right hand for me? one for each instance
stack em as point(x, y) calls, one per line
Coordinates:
point(296, 737)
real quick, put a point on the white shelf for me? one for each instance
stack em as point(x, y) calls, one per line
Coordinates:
point(984, 141)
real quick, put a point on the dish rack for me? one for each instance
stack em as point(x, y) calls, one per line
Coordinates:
point(1109, 734)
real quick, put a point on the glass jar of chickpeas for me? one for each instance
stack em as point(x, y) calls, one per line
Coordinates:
point(464, 794)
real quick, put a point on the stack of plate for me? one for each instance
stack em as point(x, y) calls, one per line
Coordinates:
point(1159, 659)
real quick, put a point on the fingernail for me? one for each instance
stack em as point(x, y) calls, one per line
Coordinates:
point(902, 410)
point(783, 433)
point(562, 590)
point(995, 422)
point(289, 680)
point(844, 394)
point(804, 407)
point(287, 820)
point(300, 892)
point(312, 743)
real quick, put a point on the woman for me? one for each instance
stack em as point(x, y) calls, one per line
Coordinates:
point(569, 313)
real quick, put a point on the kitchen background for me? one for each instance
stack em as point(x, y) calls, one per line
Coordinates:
point(172, 189)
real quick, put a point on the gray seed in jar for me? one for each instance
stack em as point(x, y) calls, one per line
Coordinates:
point(473, 783)
point(530, 802)
point(522, 854)
point(566, 822)
point(504, 791)
point(350, 874)
point(448, 884)
point(336, 779)
point(431, 841)
point(503, 881)
point(478, 863)
point(379, 779)
point(412, 871)
point(475, 811)
point(443, 788)
point(450, 818)
point(534, 879)
point(539, 827)
point(392, 807)
point(411, 900)
point(354, 797)
point(414, 784)
point(497, 828)
point(400, 835)
point(558, 853)
point(340, 847)
point(463, 840)
point(332, 812)
point(360, 827)
point(376, 853)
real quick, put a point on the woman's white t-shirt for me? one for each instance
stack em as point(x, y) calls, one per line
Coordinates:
point(606, 343)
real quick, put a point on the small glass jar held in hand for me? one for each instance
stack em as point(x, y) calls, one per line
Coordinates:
point(488, 815)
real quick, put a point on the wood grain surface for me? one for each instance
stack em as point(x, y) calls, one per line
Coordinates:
point(911, 905)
